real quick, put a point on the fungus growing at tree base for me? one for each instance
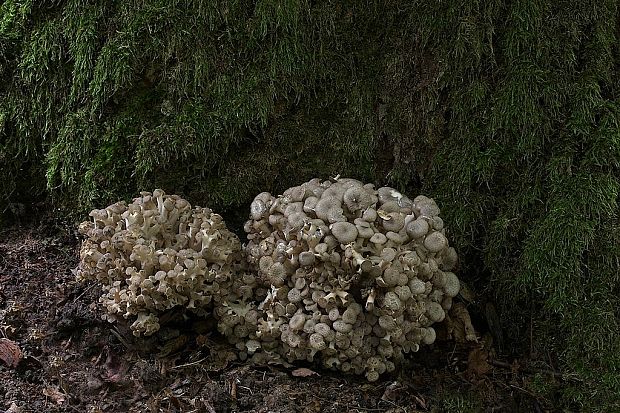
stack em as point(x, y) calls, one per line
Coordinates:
point(334, 272)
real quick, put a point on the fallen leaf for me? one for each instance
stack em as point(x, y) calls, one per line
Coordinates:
point(173, 345)
point(115, 368)
point(420, 401)
point(391, 391)
point(219, 359)
point(10, 352)
point(54, 394)
point(477, 362)
point(13, 408)
point(304, 372)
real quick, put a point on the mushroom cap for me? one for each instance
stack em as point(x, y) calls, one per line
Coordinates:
point(294, 295)
point(378, 238)
point(435, 242)
point(306, 258)
point(435, 312)
point(452, 285)
point(391, 276)
point(117, 208)
point(317, 342)
point(326, 204)
point(310, 204)
point(370, 214)
point(342, 327)
point(265, 262)
point(387, 322)
point(336, 215)
point(437, 223)
point(395, 222)
point(396, 237)
point(389, 206)
point(297, 322)
point(358, 198)
point(386, 194)
point(425, 206)
point(296, 193)
point(391, 301)
point(258, 209)
point(322, 329)
point(334, 314)
point(417, 228)
point(349, 316)
point(297, 220)
point(429, 336)
point(252, 346)
point(373, 363)
point(364, 232)
point(276, 274)
point(449, 259)
point(388, 254)
point(345, 232)
point(372, 375)
point(404, 292)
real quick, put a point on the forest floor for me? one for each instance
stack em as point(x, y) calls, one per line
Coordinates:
point(58, 355)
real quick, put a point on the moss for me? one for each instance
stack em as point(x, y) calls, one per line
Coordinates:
point(465, 402)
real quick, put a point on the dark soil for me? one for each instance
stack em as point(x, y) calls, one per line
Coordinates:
point(73, 361)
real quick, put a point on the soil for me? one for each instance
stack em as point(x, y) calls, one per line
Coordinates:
point(73, 361)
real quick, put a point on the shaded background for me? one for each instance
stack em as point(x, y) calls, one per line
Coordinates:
point(507, 113)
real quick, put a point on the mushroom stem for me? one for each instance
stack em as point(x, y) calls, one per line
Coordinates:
point(370, 301)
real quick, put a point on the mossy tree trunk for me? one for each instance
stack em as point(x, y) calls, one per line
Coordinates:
point(506, 112)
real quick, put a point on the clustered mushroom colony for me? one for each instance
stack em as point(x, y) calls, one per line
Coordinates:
point(357, 276)
point(335, 271)
point(157, 253)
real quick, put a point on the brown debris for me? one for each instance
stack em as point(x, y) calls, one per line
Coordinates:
point(477, 363)
point(304, 372)
point(459, 326)
point(10, 352)
point(200, 376)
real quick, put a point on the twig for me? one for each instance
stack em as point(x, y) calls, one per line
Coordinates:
point(394, 404)
point(248, 389)
point(193, 363)
point(348, 406)
point(83, 292)
point(508, 366)
point(121, 339)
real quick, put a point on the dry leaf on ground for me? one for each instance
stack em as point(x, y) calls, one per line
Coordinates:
point(10, 352)
point(477, 364)
point(304, 372)
point(54, 394)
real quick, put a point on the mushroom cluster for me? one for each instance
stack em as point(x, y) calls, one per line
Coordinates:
point(334, 271)
point(351, 275)
point(157, 253)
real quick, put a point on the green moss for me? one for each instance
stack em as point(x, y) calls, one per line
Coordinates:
point(466, 402)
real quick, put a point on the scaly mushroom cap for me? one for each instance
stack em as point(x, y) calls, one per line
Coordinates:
point(358, 198)
point(394, 222)
point(451, 284)
point(417, 228)
point(435, 242)
point(345, 232)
